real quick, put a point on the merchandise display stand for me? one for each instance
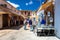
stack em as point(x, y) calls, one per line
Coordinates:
point(45, 31)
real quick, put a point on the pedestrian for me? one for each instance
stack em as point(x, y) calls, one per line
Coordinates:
point(34, 23)
point(43, 22)
point(27, 20)
point(38, 22)
point(25, 23)
point(30, 23)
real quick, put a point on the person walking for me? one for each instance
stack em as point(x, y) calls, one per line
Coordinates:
point(30, 23)
point(43, 22)
point(25, 23)
point(34, 23)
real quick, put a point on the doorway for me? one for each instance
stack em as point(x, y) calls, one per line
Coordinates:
point(5, 20)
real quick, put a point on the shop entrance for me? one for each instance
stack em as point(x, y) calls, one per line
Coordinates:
point(5, 20)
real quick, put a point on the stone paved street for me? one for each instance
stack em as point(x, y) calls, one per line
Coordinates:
point(22, 34)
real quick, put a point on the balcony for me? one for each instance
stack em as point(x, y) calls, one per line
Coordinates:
point(4, 8)
point(1, 10)
point(8, 11)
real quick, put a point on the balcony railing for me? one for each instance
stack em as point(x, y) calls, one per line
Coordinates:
point(8, 10)
point(1, 10)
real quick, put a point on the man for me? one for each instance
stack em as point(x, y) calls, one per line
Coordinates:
point(30, 23)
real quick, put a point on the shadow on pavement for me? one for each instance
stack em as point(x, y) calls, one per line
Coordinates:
point(13, 28)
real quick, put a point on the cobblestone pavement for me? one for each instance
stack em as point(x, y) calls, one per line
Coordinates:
point(22, 34)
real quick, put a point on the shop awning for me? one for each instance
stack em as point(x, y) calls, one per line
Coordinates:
point(44, 6)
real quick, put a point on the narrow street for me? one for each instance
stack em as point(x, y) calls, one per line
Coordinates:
point(39, 17)
point(21, 34)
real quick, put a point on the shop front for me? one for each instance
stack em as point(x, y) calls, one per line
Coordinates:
point(4, 19)
point(46, 20)
point(14, 20)
point(9, 19)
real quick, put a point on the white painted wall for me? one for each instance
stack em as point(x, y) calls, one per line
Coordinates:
point(57, 17)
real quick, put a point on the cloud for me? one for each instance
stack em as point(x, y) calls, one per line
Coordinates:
point(27, 4)
point(13, 4)
point(31, 2)
point(20, 9)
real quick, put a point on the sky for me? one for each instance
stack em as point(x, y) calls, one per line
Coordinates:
point(26, 4)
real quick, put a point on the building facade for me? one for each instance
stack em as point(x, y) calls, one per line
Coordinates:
point(9, 15)
point(26, 13)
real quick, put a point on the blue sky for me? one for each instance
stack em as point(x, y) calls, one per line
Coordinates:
point(26, 4)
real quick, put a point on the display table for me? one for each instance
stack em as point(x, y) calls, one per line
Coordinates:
point(45, 31)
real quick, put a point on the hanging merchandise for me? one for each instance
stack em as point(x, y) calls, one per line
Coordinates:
point(51, 19)
point(49, 14)
point(41, 15)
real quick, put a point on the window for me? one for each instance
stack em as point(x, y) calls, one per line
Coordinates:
point(25, 12)
point(4, 5)
point(28, 13)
